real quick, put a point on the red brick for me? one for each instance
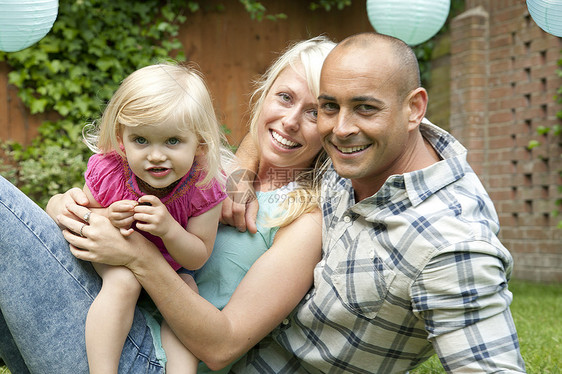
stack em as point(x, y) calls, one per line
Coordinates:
point(521, 80)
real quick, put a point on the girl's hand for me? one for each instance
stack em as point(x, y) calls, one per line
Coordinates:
point(121, 215)
point(152, 216)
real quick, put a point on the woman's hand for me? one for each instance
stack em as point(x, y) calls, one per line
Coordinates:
point(57, 205)
point(97, 240)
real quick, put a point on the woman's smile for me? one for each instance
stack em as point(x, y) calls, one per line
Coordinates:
point(282, 141)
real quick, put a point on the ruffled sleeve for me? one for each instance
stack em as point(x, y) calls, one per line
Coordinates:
point(105, 178)
point(206, 197)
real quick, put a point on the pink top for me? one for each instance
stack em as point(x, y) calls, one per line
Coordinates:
point(110, 179)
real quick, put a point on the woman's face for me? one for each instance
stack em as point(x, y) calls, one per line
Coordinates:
point(286, 127)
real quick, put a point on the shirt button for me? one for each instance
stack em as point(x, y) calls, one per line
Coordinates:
point(286, 321)
point(346, 219)
point(307, 297)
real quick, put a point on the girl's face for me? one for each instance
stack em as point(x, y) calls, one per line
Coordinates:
point(286, 127)
point(161, 154)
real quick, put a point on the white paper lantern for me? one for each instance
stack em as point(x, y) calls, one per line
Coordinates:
point(412, 21)
point(25, 22)
point(547, 14)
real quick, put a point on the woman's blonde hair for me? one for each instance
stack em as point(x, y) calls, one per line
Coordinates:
point(163, 93)
point(310, 54)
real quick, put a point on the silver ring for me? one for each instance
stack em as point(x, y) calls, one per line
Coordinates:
point(87, 216)
point(82, 228)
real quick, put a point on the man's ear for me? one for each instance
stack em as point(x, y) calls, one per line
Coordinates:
point(417, 106)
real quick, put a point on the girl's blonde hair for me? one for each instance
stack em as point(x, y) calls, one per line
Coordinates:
point(310, 54)
point(163, 93)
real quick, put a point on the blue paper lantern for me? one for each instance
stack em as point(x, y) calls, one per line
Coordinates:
point(547, 14)
point(25, 22)
point(412, 21)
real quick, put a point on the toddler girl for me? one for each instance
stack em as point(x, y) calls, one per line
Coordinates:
point(157, 168)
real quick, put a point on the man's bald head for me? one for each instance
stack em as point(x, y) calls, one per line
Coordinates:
point(396, 54)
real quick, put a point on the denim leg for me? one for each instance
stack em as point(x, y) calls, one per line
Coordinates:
point(45, 294)
point(9, 351)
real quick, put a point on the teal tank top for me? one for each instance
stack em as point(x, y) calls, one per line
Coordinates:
point(235, 252)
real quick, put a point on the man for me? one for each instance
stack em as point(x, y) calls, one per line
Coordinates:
point(411, 261)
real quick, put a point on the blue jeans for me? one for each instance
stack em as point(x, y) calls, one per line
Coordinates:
point(45, 294)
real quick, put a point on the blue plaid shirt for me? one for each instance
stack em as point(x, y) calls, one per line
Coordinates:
point(415, 269)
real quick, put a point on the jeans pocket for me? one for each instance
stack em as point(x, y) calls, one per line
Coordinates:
point(362, 285)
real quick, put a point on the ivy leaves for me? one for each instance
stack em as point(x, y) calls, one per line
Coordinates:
point(73, 72)
point(93, 45)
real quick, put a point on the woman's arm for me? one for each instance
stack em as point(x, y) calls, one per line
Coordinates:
point(271, 289)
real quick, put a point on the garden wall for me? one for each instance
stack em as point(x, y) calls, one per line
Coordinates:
point(493, 82)
point(503, 83)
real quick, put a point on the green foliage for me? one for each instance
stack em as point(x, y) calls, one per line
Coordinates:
point(536, 311)
point(56, 170)
point(423, 54)
point(75, 69)
point(424, 51)
point(554, 131)
point(258, 11)
point(557, 132)
point(73, 72)
point(327, 5)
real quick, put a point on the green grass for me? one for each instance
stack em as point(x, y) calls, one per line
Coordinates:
point(536, 309)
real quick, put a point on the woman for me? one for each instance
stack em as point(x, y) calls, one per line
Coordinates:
point(44, 328)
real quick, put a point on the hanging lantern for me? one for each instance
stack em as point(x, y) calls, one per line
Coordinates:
point(25, 22)
point(412, 21)
point(547, 14)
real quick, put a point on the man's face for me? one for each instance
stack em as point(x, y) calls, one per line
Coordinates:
point(362, 121)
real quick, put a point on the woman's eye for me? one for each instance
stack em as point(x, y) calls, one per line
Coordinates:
point(312, 114)
point(173, 141)
point(285, 96)
point(140, 140)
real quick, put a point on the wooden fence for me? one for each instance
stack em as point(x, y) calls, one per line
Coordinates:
point(230, 49)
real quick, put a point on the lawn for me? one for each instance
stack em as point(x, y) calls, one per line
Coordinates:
point(536, 310)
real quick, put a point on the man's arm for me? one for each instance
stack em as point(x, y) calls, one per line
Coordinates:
point(463, 297)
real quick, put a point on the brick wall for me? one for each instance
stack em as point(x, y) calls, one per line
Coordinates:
point(503, 83)
point(439, 85)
